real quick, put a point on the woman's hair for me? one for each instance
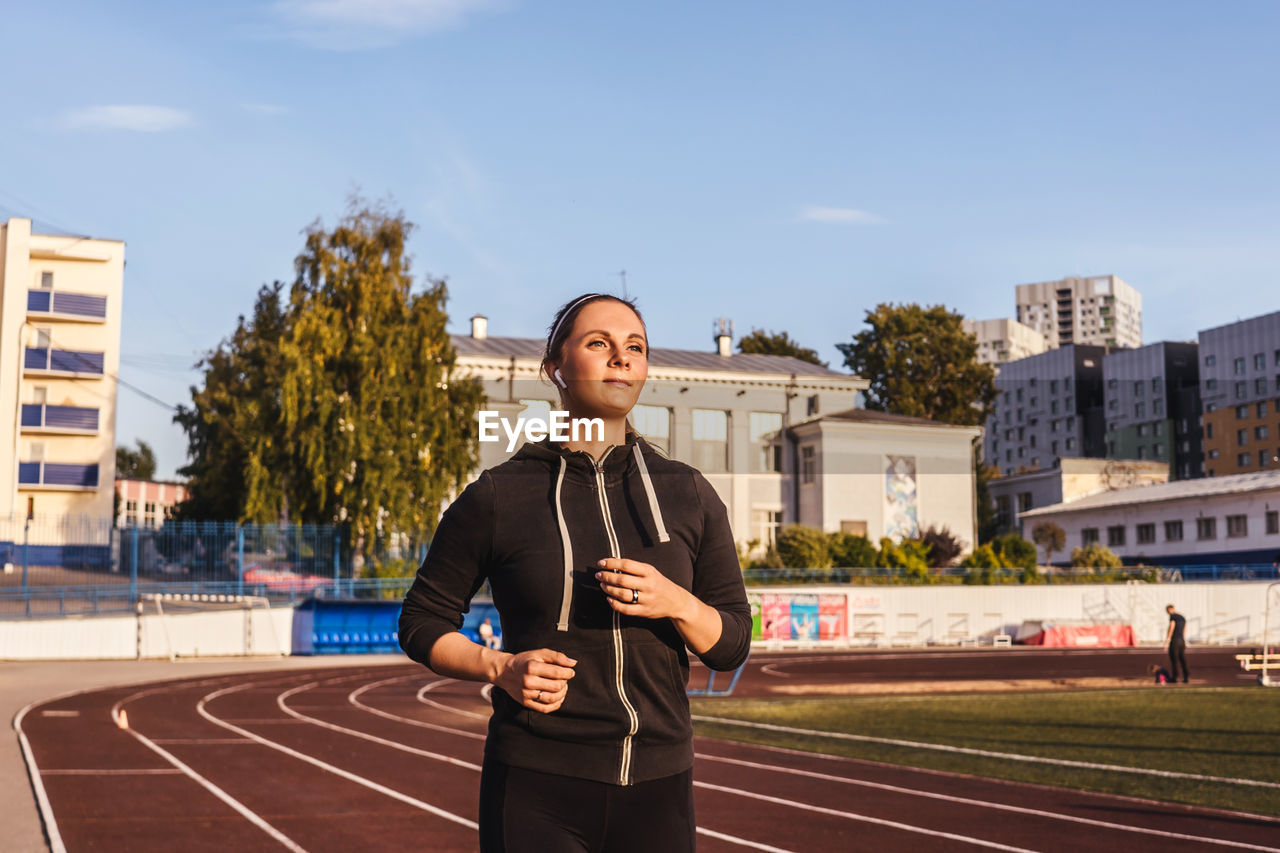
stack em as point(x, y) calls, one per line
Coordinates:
point(568, 314)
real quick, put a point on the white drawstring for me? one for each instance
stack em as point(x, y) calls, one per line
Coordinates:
point(653, 496)
point(566, 596)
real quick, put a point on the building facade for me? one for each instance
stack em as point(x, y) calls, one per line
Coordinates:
point(1240, 392)
point(60, 310)
point(146, 503)
point(1152, 396)
point(1218, 520)
point(1095, 310)
point(878, 475)
point(725, 413)
point(1048, 407)
point(1004, 339)
point(1072, 479)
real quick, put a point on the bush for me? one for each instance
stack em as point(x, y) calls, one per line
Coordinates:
point(983, 557)
point(1015, 552)
point(804, 547)
point(852, 552)
point(943, 547)
point(1095, 556)
point(907, 554)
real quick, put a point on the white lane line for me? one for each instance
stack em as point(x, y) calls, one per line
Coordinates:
point(354, 699)
point(1008, 756)
point(733, 839)
point(282, 703)
point(951, 836)
point(37, 784)
point(201, 741)
point(59, 713)
point(337, 771)
point(243, 810)
point(768, 669)
point(432, 685)
point(744, 842)
point(151, 771)
point(1004, 807)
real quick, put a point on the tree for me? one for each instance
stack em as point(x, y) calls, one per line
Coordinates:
point(760, 342)
point(944, 548)
point(339, 404)
point(1095, 556)
point(803, 547)
point(922, 363)
point(1050, 537)
point(988, 521)
point(850, 551)
point(137, 464)
point(1015, 552)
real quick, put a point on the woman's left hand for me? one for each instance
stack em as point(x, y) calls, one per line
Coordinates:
point(638, 589)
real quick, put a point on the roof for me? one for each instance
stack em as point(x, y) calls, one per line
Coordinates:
point(1159, 492)
point(532, 348)
point(867, 416)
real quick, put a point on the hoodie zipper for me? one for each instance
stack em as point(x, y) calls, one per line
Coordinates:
point(624, 770)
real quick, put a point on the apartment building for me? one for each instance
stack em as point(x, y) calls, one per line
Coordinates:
point(1072, 479)
point(146, 503)
point(1048, 407)
point(60, 309)
point(1240, 392)
point(726, 413)
point(1096, 311)
point(1004, 339)
point(1152, 396)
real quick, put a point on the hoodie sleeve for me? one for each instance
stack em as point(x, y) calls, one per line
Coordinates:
point(454, 568)
point(717, 582)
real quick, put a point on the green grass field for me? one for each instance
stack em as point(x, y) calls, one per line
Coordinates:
point(1226, 732)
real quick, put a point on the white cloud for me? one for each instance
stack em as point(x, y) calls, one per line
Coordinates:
point(140, 118)
point(358, 24)
point(839, 216)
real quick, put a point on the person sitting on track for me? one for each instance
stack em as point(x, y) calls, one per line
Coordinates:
point(590, 744)
point(1160, 674)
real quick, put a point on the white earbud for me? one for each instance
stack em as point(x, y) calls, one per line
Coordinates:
point(559, 380)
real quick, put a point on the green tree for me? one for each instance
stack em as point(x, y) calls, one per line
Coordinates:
point(760, 342)
point(340, 404)
point(1015, 552)
point(988, 522)
point(944, 548)
point(1095, 556)
point(1050, 537)
point(849, 551)
point(921, 362)
point(803, 547)
point(137, 464)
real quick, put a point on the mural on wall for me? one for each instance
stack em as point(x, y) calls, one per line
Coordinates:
point(900, 516)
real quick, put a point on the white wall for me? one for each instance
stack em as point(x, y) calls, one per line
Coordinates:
point(203, 634)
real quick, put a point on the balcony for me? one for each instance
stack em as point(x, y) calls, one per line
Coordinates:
point(59, 304)
point(69, 419)
point(45, 360)
point(50, 475)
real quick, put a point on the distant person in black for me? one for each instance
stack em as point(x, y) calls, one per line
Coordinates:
point(1176, 643)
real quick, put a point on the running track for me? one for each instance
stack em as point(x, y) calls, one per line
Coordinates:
point(387, 758)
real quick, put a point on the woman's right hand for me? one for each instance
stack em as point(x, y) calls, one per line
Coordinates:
point(537, 679)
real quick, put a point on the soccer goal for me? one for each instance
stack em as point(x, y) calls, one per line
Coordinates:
point(174, 625)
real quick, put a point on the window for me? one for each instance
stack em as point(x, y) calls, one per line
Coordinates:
point(1142, 429)
point(1004, 519)
point(1210, 360)
point(1053, 407)
point(1139, 410)
point(1019, 395)
point(654, 423)
point(131, 507)
point(1157, 406)
point(1242, 390)
point(1035, 401)
point(1142, 451)
point(1071, 423)
point(1113, 404)
point(1260, 431)
point(1115, 536)
point(1138, 388)
point(1019, 415)
point(1242, 437)
point(1237, 526)
point(710, 440)
point(1033, 439)
point(1146, 534)
point(1237, 366)
point(39, 394)
point(1157, 450)
point(1111, 384)
point(1278, 358)
point(1213, 454)
point(808, 464)
point(1273, 522)
point(1262, 409)
point(1157, 429)
point(1071, 444)
point(1066, 383)
point(1210, 384)
point(764, 526)
point(1208, 430)
point(1053, 447)
point(1024, 501)
point(1259, 361)
point(766, 452)
point(1053, 425)
point(1242, 412)
point(1053, 383)
point(1244, 460)
point(1173, 531)
point(1206, 528)
point(1089, 536)
point(1157, 385)
point(46, 280)
point(813, 405)
point(1111, 448)
point(1260, 385)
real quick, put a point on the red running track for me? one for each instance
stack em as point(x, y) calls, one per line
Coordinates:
point(387, 758)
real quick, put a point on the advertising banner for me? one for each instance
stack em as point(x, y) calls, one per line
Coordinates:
point(753, 601)
point(775, 616)
point(833, 617)
point(804, 617)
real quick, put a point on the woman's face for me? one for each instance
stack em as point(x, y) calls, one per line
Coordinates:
point(604, 361)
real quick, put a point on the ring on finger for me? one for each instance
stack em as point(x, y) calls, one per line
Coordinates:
point(635, 596)
point(538, 698)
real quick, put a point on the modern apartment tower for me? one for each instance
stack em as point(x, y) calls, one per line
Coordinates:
point(1240, 390)
point(1097, 310)
point(1152, 398)
point(1049, 407)
point(1004, 339)
point(59, 347)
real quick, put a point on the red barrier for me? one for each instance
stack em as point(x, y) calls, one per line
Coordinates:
point(1108, 635)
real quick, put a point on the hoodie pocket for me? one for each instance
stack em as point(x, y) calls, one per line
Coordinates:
point(591, 711)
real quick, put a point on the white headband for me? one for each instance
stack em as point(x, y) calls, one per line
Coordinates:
point(568, 311)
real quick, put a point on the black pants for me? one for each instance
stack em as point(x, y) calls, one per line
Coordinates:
point(1178, 656)
point(524, 810)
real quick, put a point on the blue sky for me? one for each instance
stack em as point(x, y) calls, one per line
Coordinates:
point(785, 165)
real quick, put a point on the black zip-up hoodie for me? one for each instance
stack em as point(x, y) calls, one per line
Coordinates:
point(534, 527)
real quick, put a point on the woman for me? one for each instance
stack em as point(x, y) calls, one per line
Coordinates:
point(606, 561)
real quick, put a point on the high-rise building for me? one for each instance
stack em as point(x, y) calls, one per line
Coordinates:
point(1048, 407)
point(1097, 310)
point(1152, 398)
point(1240, 391)
point(1004, 339)
point(59, 349)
